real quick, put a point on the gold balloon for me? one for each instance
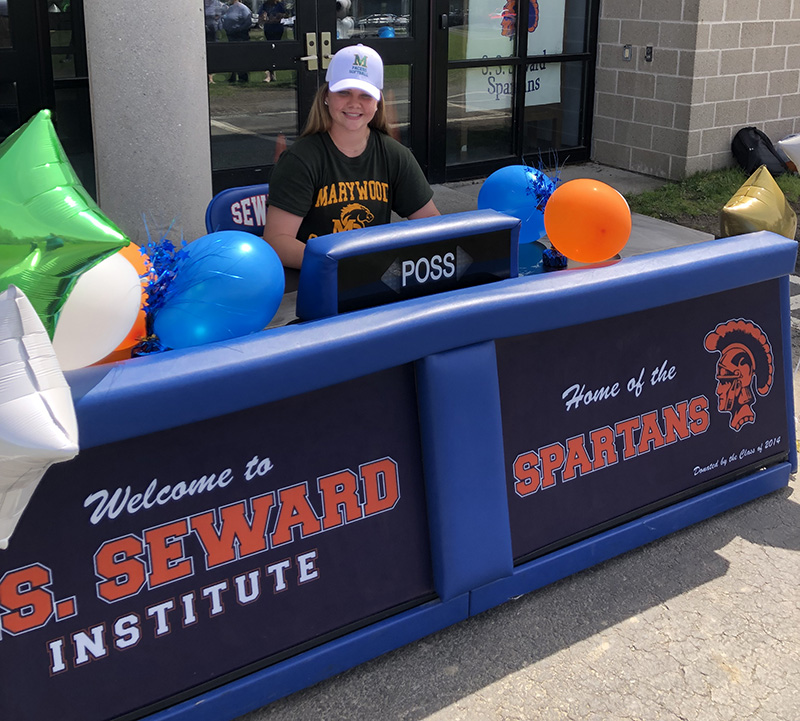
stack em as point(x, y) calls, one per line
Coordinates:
point(758, 205)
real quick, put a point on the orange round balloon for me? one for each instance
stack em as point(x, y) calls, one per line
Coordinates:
point(134, 256)
point(586, 220)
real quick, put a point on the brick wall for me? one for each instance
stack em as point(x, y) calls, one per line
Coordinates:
point(717, 66)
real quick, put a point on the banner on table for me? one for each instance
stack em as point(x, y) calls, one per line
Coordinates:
point(608, 420)
point(149, 568)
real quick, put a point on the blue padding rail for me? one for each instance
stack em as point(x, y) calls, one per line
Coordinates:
point(461, 430)
point(205, 382)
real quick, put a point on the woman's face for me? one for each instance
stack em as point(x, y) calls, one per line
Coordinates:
point(351, 109)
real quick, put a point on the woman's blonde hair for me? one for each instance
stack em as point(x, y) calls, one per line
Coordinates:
point(319, 119)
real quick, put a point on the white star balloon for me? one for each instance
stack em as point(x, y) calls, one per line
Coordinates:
point(37, 416)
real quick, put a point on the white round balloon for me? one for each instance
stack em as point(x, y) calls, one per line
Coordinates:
point(98, 313)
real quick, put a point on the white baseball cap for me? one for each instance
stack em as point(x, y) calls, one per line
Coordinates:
point(358, 67)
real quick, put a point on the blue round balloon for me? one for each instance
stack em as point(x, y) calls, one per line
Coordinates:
point(521, 191)
point(228, 284)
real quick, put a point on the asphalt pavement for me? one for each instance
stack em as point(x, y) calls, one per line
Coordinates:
point(701, 625)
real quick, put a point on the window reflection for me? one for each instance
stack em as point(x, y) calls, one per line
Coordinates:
point(373, 18)
point(251, 121)
point(237, 21)
point(62, 52)
point(397, 101)
point(273, 16)
point(73, 122)
point(556, 121)
point(478, 122)
point(5, 28)
point(481, 29)
point(575, 30)
point(249, 20)
point(547, 32)
point(9, 115)
point(478, 27)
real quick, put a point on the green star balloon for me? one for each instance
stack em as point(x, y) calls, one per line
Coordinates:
point(51, 230)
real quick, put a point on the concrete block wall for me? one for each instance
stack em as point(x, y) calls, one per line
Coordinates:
point(717, 66)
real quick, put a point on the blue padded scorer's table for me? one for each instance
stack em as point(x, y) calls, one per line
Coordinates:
point(247, 518)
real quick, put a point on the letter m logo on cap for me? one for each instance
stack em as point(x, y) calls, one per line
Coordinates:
point(360, 60)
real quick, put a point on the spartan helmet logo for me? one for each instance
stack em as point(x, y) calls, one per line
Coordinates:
point(745, 360)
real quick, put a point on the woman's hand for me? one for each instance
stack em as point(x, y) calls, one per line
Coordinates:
point(280, 231)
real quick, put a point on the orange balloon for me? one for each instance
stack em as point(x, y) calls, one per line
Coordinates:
point(133, 255)
point(586, 220)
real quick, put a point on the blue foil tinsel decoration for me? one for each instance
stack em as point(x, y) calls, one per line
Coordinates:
point(162, 259)
point(540, 185)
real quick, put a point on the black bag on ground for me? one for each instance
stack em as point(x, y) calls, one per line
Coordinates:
point(752, 149)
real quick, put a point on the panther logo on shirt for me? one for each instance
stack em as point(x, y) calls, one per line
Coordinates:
point(353, 215)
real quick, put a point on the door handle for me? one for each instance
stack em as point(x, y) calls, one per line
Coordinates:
point(311, 52)
point(326, 50)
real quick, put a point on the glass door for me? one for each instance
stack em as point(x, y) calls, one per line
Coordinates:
point(26, 82)
point(43, 65)
point(263, 78)
point(9, 104)
point(512, 81)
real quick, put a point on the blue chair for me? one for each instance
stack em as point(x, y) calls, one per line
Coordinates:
point(245, 208)
point(242, 208)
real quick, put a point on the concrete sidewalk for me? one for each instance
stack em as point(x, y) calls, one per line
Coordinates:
point(701, 625)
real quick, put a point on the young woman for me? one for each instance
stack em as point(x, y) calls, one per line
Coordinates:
point(344, 172)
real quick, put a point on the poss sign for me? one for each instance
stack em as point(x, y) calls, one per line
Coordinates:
point(386, 276)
